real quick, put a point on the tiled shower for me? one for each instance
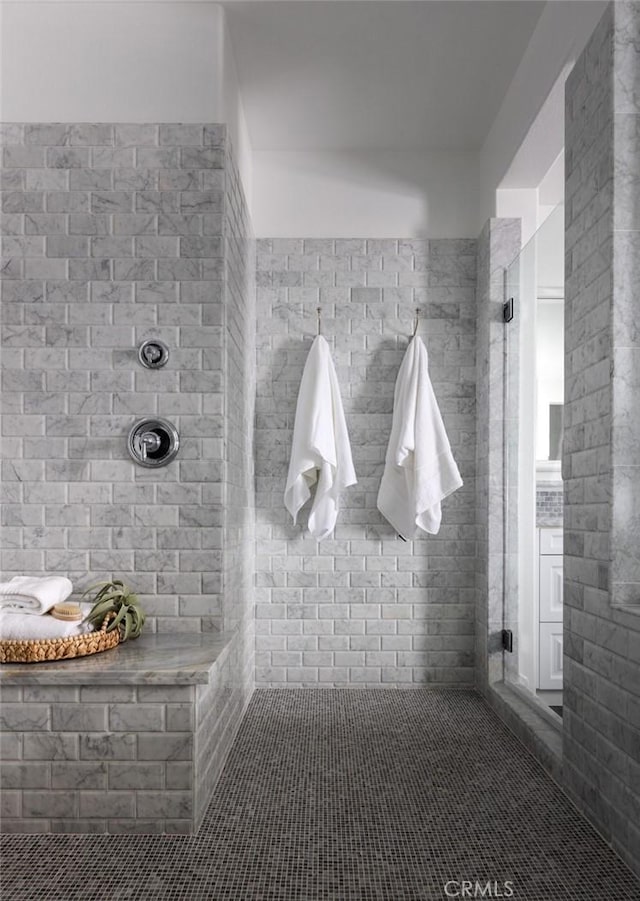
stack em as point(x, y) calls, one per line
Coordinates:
point(114, 233)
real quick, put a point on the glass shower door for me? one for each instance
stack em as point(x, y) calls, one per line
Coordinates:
point(511, 403)
point(533, 394)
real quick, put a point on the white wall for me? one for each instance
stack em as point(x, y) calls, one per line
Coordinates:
point(98, 62)
point(519, 203)
point(528, 133)
point(360, 194)
point(533, 206)
point(232, 112)
point(124, 62)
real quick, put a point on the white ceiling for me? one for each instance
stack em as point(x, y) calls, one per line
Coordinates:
point(376, 75)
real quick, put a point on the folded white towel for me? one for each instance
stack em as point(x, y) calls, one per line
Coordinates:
point(320, 452)
point(33, 594)
point(26, 626)
point(419, 470)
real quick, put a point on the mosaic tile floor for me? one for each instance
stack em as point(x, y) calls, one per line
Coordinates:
point(349, 796)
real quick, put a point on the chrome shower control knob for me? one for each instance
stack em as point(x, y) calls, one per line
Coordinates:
point(153, 442)
point(153, 353)
point(150, 441)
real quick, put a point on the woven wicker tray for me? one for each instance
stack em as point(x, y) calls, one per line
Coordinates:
point(46, 649)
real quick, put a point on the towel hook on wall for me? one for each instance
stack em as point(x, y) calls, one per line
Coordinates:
point(319, 312)
point(417, 322)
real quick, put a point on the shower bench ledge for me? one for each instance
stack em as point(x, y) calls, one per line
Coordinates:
point(183, 658)
point(129, 740)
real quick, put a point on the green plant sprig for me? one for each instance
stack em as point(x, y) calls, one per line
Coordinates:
point(115, 597)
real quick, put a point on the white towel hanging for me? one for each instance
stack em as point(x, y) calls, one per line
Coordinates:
point(320, 450)
point(419, 470)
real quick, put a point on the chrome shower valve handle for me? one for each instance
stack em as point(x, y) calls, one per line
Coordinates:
point(153, 442)
point(153, 353)
point(150, 441)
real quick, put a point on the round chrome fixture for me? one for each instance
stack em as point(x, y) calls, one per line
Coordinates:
point(153, 442)
point(153, 353)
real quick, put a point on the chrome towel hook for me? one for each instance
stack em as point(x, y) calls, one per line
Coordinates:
point(417, 322)
point(319, 314)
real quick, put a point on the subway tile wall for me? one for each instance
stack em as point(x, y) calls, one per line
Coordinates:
point(238, 562)
point(549, 503)
point(112, 758)
point(362, 607)
point(601, 467)
point(115, 758)
point(113, 234)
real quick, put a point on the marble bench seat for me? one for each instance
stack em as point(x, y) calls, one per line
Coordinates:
point(130, 740)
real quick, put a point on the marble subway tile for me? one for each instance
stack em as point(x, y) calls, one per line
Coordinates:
point(136, 135)
point(136, 718)
point(181, 135)
point(49, 746)
point(22, 201)
point(138, 776)
point(134, 224)
point(90, 180)
point(179, 180)
point(215, 135)
point(197, 202)
point(135, 179)
point(66, 158)
point(157, 202)
point(11, 133)
point(108, 746)
point(67, 201)
point(156, 247)
point(175, 804)
point(47, 180)
point(134, 270)
point(112, 202)
point(12, 223)
point(48, 804)
point(45, 224)
point(165, 746)
point(63, 246)
point(112, 158)
point(157, 158)
point(205, 158)
point(79, 775)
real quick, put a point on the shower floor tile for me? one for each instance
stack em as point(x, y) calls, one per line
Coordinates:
point(349, 795)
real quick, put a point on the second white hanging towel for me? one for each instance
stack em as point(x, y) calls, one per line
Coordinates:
point(321, 451)
point(419, 470)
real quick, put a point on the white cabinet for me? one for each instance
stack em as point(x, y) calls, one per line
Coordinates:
point(550, 574)
point(550, 609)
point(550, 673)
point(551, 541)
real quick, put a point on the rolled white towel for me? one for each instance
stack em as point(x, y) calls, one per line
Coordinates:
point(34, 594)
point(25, 626)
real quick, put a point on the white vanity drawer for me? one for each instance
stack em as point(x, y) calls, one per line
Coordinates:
point(551, 541)
point(551, 585)
point(550, 669)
